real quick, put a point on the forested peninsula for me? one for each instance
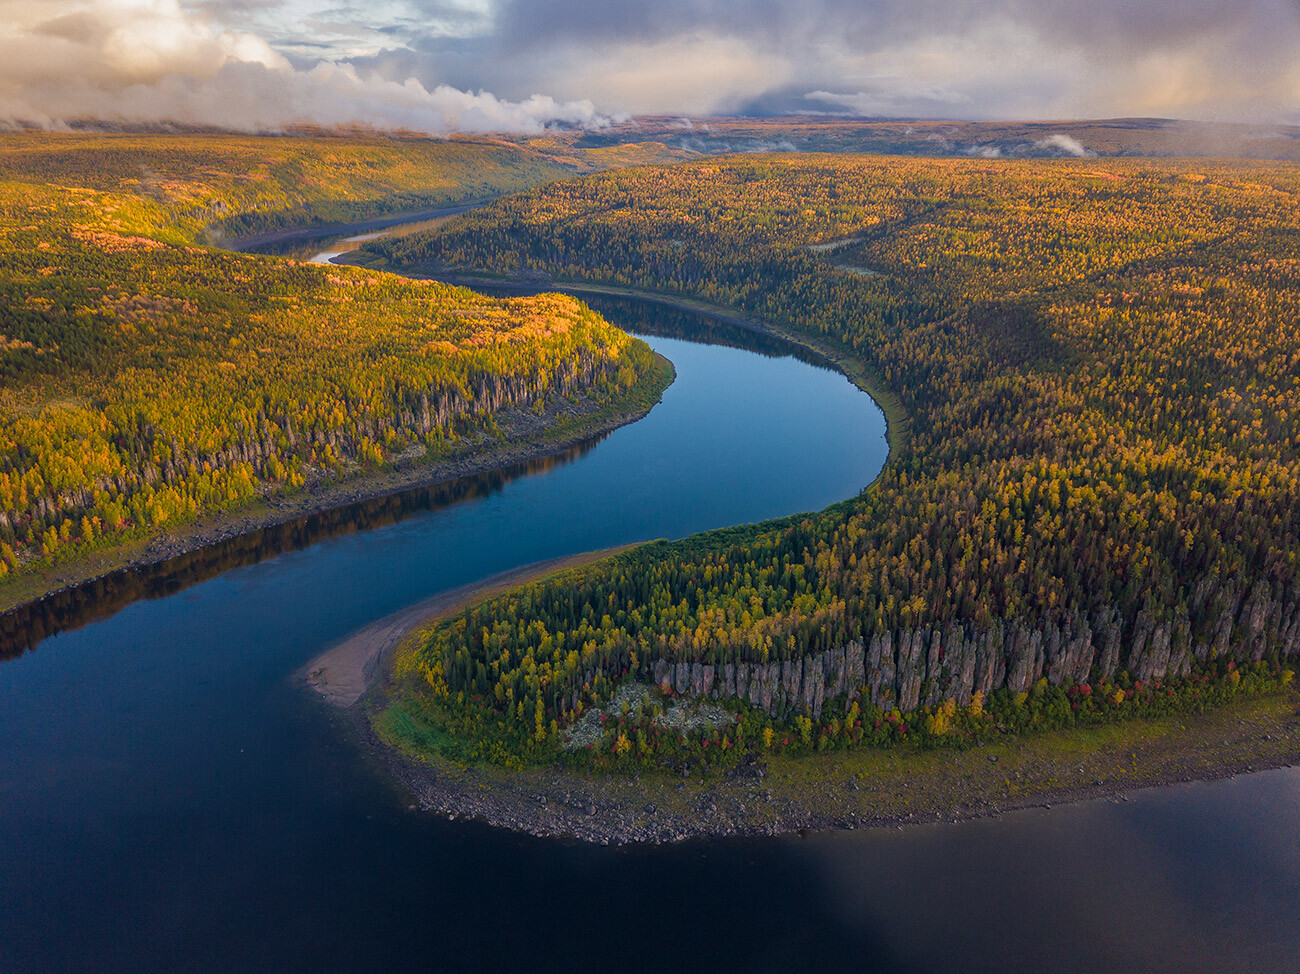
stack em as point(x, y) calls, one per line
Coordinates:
point(1094, 515)
point(150, 379)
point(1091, 370)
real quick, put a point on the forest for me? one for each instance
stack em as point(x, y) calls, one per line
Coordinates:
point(146, 379)
point(217, 187)
point(1095, 511)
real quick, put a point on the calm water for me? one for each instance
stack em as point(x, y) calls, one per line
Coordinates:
point(322, 244)
point(170, 800)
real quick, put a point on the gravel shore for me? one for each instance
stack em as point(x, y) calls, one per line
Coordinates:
point(855, 789)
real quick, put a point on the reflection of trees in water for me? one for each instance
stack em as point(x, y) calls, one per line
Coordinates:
point(71, 608)
point(296, 248)
point(305, 242)
point(650, 318)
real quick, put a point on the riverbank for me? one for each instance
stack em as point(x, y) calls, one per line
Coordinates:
point(302, 234)
point(526, 436)
point(843, 789)
point(890, 788)
point(835, 355)
point(342, 674)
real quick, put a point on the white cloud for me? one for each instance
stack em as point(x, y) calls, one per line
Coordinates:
point(1066, 144)
point(151, 60)
point(289, 60)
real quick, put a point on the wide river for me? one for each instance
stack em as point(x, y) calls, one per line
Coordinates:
point(171, 799)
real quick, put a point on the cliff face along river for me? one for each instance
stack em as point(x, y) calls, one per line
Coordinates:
point(171, 799)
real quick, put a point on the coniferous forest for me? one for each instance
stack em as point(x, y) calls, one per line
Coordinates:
point(848, 451)
point(146, 379)
point(1092, 370)
point(1092, 504)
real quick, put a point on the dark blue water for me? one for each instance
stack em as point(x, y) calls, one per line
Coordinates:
point(170, 800)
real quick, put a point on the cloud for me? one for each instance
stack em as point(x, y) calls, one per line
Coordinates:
point(887, 96)
point(1064, 143)
point(428, 63)
point(1224, 59)
point(151, 61)
point(686, 74)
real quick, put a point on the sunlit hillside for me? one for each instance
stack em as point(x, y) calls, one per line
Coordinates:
point(147, 380)
point(238, 184)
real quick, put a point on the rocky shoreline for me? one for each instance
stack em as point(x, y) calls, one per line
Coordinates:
point(846, 790)
point(851, 790)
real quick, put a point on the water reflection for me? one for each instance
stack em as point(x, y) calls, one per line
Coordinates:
point(665, 321)
point(1198, 877)
point(23, 628)
point(71, 608)
point(312, 243)
point(171, 799)
point(643, 316)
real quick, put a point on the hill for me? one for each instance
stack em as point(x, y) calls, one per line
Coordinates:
point(1095, 512)
point(147, 379)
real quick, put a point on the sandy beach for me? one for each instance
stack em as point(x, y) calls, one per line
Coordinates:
point(342, 674)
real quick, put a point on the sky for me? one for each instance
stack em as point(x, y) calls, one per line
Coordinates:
point(523, 65)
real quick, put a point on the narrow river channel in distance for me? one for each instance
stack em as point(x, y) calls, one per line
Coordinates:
point(170, 799)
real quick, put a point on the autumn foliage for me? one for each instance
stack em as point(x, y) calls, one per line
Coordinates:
point(1100, 366)
point(145, 379)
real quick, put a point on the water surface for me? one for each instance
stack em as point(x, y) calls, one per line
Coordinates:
point(170, 800)
point(164, 786)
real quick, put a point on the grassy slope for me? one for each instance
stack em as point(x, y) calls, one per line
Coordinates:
point(242, 184)
point(148, 380)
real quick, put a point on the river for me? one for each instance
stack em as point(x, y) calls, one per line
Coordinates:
point(171, 799)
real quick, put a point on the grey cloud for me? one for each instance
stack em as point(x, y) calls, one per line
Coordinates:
point(152, 61)
point(924, 58)
point(522, 23)
point(1025, 56)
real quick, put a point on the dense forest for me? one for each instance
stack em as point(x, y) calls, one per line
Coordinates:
point(217, 187)
point(1097, 507)
point(145, 379)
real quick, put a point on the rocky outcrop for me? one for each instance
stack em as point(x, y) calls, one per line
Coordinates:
point(274, 437)
point(910, 668)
